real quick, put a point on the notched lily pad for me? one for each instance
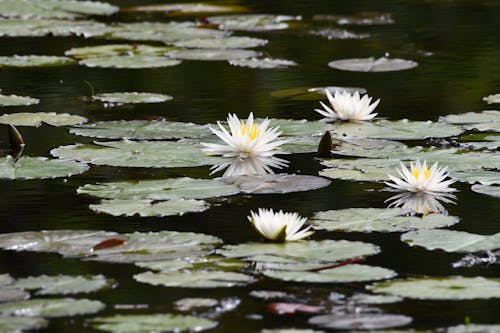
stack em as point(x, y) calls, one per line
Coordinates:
point(378, 219)
point(51, 307)
point(451, 240)
point(211, 54)
point(483, 177)
point(34, 61)
point(143, 208)
point(38, 168)
point(37, 118)
point(195, 279)
point(264, 63)
point(373, 65)
point(151, 323)
point(253, 22)
point(491, 190)
point(128, 61)
point(62, 284)
point(233, 42)
point(361, 321)
point(440, 288)
point(276, 183)
point(13, 100)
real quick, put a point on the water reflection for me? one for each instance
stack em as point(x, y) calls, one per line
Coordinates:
point(250, 165)
point(421, 202)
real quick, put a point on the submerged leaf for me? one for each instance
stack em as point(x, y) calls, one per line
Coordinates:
point(37, 118)
point(373, 65)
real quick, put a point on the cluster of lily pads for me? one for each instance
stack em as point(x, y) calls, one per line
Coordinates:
point(362, 150)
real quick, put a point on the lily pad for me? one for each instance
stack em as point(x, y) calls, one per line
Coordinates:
point(315, 93)
point(67, 9)
point(44, 27)
point(472, 117)
point(440, 288)
point(146, 154)
point(233, 42)
point(152, 323)
point(365, 173)
point(127, 61)
point(51, 307)
point(343, 274)
point(131, 97)
point(162, 189)
point(253, 22)
point(290, 330)
point(361, 321)
point(13, 100)
point(264, 63)
point(110, 50)
point(338, 34)
point(292, 127)
point(363, 18)
point(140, 130)
point(5, 279)
point(211, 54)
point(492, 99)
point(374, 299)
point(195, 279)
point(186, 8)
point(451, 240)
point(373, 65)
point(37, 118)
point(132, 207)
point(34, 61)
point(62, 284)
point(378, 219)
point(38, 167)
point(11, 294)
point(10, 324)
point(276, 183)
point(188, 304)
point(483, 177)
point(494, 191)
point(473, 328)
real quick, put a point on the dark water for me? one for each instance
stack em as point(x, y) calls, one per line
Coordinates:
point(463, 40)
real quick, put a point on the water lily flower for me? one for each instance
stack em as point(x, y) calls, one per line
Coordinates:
point(421, 202)
point(252, 165)
point(245, 139)
point(421, 178)
point(279, 227)
point(348, 107)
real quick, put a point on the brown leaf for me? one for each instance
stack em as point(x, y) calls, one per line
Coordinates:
point(106, 244)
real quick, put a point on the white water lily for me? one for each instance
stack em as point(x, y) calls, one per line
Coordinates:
point(279, 226)
point(252, 165)
point(421, 202)
point(421, 178)
point(245, 139)
point(348, 107)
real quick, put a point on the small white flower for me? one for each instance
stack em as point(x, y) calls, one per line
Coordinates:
point(421, 202)
point(252, 165)
point(348, 107)
point(245, 139)
point(279, 226)
point(420, 178)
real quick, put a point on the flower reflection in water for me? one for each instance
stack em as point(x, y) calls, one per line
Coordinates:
point(251, 165)
point(421, 202)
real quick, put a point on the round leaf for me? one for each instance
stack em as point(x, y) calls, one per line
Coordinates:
point(143, 208)
point(37, 118)
point(373, 65)
point(132, 98)
point(38, 167)
point(195, 279)
point(451, 240)
point(361, 321)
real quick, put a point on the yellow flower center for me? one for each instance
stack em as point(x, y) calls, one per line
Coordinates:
point(253, 131)
point(426, 171)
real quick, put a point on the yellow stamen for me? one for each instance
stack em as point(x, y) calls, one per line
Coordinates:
point(416, 172)
point(253, 131)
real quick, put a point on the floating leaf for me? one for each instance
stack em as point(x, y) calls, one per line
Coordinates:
point(51, 307)
point(62, 284)
point(472, 117)
point(233, 42)
point(186, 8)
point(34, 61)
point(374, 299)
point(347, 273)
point(152, 323)
point(147, 154)
point(291, 308)
point(264, 63)
point(132, 207)
point(188, 304)
point(442, 288)
point(372, 65)
point(363, 18)
point(13, 100)
point(37, 118)
point(483, 177)
point(140, 129)
point(451, 240)
point(9, 324)
point(38, 167)
point(365, 173)
point(493, 191)
point(105, 244)
point(211, 54)
point(490, 99)
point(132, 98)
point(338, 34)
point(312, 94)
point(361, 321)
point(53, 27)
point(195, 279)
point(276, 183)
point(473, 328)
point(162, 189)
point(253, 22)
point(110, 50)
point(126, 61)
point(11, 294)
point(54, 8)
point(378, 219)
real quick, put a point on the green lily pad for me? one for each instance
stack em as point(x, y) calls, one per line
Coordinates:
point(10, 324)
point(37, 118)
point(127, 61)
point(365, 173)
point(378, 219)
point(338, 34)
point(110, 50)
point(211, 54)
point(132, 207)
point(162, 189)
point(373, 65)
point(44, 27)
point(188, 304)
point(187, 8)
point(146, 154)
point(152, 323)
point(195, 279)
point(132, 97)
point(276, 183)
point(233, 42)
point(361, 321)
point(494, 191)
point(451, 240)
point(264, 63)
point(292, 127)
point(473, 328)
point(51, 307)
point(472, 117)
point(67, 9)
point(313, 94)
point(483, 177)
point(374, 299)
point(38, 167)
point(253, 22)
point(34, 61)
point(11, 294)
point(440, 288)
point(343, 274)
point(5, 279)
point(13, 100)
point(490, 99)
point(140, 130)
point(63, 284)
